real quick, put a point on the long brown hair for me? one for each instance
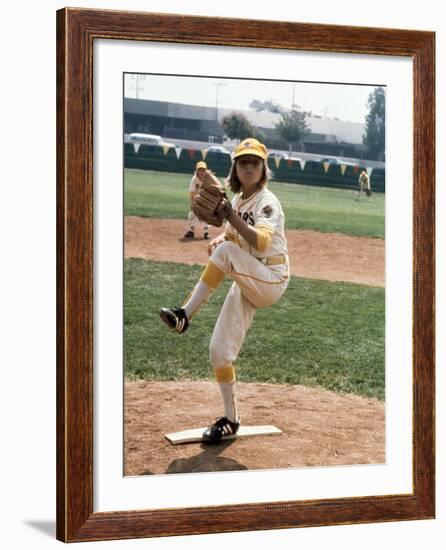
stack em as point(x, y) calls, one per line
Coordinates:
point(234, 183)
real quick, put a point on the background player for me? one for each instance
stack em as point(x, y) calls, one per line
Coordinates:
point(364, 184)
point(252, 251)
point(194, 187)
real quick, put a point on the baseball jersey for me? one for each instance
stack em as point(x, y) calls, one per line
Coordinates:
point(262, 210)
point(364, 178)
point(195, 184)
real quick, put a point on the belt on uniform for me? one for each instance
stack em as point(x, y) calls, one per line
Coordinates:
point(273, 260)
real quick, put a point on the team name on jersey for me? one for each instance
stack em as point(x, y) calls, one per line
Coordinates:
point(247, 217)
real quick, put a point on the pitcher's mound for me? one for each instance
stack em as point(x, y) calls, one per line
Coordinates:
point(319, 428)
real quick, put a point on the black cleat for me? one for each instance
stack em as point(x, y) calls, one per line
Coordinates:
point(175, 318)
point(222, 429)
point(189, 235)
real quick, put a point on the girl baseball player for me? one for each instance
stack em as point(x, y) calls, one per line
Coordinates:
point(252, 251)
point(194, 187)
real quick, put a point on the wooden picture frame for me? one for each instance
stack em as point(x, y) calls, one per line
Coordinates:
point(77, 29)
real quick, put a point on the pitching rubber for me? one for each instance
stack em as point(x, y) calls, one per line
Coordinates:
point(195, 435)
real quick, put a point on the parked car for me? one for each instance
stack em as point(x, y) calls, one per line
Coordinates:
point(218, 149)
point(330, 161)
point(277, 155)
point(148, 139)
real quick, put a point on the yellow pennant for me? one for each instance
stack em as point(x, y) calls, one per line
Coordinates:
point(204, 153)
point(326, 166)
point(343, 168)
point(277, 161)
point(165, 149)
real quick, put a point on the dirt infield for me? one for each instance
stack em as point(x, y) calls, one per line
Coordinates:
point(320, 428)
point(315, 255)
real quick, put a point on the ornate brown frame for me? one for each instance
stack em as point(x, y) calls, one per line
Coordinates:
point(76, 31)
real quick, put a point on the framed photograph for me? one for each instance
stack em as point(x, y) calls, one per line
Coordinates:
point(324, 398)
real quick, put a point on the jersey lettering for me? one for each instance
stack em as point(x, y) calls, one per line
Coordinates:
point(264, 209)
point(247, 217)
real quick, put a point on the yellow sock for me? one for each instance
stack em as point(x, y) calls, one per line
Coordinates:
point(212, 276)
point(225, 374)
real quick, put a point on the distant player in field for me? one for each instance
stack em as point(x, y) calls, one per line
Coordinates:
point(364, 185)
point(252, 251)
point(194, 187)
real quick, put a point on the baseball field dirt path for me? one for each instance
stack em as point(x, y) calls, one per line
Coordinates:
point(327, 256)
point(320, 428)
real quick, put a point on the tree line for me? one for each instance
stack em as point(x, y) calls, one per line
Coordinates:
point(292, 127)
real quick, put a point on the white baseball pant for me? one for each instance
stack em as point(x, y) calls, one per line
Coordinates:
point(255, 285)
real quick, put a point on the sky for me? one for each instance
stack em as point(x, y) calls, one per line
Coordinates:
point(343, 101)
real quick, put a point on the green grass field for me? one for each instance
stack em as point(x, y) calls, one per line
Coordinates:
point(165, 195)
point(319, 333)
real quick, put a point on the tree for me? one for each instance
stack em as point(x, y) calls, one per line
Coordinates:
point(375, 122)
point(293, 127)
point(258, 134)
point(269, 105)
point(237, 126)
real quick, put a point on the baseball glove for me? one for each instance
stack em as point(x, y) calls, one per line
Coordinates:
point(211, 204)
point(368, 192)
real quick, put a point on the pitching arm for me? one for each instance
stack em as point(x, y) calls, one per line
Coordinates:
point(249, 233)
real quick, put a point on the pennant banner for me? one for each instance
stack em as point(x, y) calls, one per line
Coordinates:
point(290, 163)
point(165, 149)
point(204, 153)
point(136, 147)
point(355, 168)
point(326, 166)
point(277, 161)
point(369, 170)
point(302, 164)
point(178, 152)
point(191, 153)
point(343, 168)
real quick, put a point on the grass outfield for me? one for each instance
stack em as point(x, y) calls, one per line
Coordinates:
point(165, 195)
point(318, 334)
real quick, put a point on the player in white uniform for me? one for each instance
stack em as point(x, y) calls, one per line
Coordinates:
point(195, 185)
point(252, 251)
point(364, 185)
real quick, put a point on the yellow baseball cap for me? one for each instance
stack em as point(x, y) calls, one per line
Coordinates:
point(250, 146)
point(200, 164)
